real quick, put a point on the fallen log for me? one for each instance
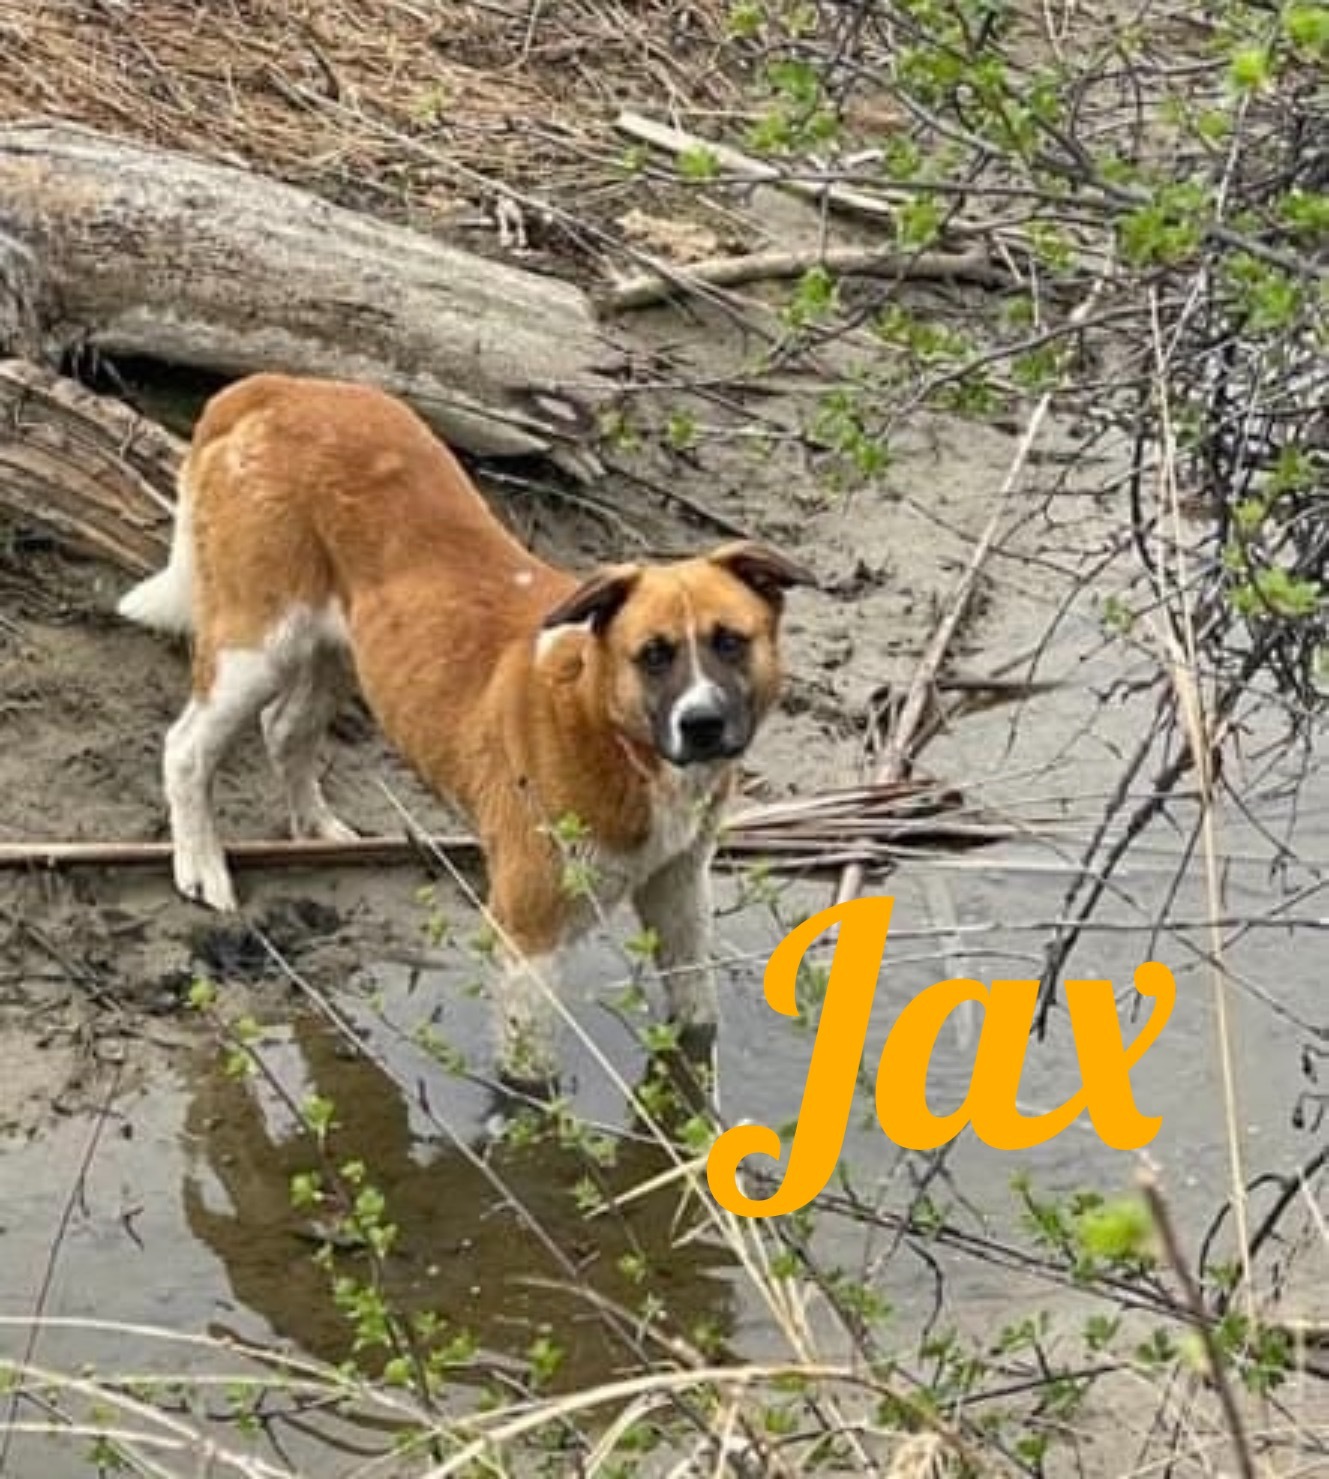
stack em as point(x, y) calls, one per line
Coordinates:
point(86, 469)
point(141, 252)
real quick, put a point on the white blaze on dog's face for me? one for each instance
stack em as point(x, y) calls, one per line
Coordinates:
point(686, 656)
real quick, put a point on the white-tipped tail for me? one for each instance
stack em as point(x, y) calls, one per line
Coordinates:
point(164, 601)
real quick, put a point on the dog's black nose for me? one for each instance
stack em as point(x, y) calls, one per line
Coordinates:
point(703, 735)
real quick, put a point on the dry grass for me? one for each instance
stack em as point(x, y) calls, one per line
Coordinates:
point(320, 94)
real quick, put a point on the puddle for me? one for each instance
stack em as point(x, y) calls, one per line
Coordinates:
point(184, 1219)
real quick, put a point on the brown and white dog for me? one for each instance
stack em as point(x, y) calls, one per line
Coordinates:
point(319, 521)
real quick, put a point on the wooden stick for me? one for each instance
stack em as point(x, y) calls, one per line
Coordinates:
point(650, 287)
point(280, 853)
point(864, 824)
point(819, 849)
point(670, 140)
point(905, 733)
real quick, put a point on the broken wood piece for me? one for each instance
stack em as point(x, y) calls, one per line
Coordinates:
point(277, 852)
point(974, 266)
point(85, 468)
point(134, 251)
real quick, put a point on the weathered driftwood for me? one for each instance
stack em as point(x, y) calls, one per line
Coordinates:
point(138, 251)
point(87, 469)
point(720, 272)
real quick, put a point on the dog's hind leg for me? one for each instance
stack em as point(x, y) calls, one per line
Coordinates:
point(295, 725)
point(241, 682)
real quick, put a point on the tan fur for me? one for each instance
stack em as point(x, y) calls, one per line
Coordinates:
point(336, 504)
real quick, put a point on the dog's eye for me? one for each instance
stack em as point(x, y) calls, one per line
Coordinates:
point(657, 656)
point(729, 644)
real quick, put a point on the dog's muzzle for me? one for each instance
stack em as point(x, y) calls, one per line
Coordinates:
point(706, 726)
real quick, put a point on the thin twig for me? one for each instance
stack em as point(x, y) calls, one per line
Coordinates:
point(1194, 1302)
point(902, 743)
point(665, 137)
point(72, 1201)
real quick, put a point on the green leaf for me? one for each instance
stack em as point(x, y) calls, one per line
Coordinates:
point(202, 994)
point(1249, 69)
point(1116, 1231)
point(745, 20)
point(318, 1113)
point(698, 163)
point(306, 1190)
point(1307, 28)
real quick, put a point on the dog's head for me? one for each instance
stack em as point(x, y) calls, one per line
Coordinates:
point(686, 656)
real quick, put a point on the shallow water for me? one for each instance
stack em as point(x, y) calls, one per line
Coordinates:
point(182, 1215)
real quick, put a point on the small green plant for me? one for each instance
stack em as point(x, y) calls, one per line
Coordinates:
point(698, 164)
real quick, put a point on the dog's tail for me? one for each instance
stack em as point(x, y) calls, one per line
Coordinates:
point(164, 601)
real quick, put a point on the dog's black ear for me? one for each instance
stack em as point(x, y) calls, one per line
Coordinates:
point(596, 600)
point(764, 569)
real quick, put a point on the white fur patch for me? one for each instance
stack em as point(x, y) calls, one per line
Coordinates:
point(701, 696)
point(304, 630)
point(330, 626)
point(164, 601)
point(682, 800)
point(288, 668)
point(549, 637)
point(195, 746)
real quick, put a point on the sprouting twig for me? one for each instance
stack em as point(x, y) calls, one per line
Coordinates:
point(1194, 1302)
point(72, 1202)
point(903, 741)
point(973, 266)
point(1290, 1187)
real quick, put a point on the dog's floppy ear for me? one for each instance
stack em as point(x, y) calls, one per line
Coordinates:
point(596, 600)
point(764, 569)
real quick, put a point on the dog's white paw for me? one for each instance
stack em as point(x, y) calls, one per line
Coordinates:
point(205, 880)
point(315, 820)
point(330, 828)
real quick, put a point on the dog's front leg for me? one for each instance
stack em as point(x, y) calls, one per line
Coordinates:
point(675, 903)
point(531, 918)
point(527, 1019)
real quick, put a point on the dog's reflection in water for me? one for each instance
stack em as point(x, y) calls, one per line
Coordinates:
point(462, 1252)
